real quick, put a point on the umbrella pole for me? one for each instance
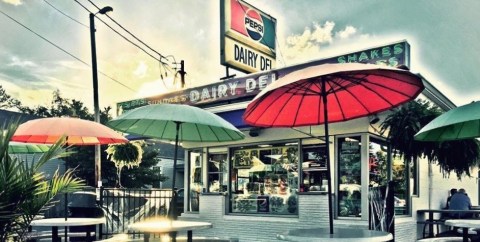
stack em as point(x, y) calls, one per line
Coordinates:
point(327, 146)
point(173, 205)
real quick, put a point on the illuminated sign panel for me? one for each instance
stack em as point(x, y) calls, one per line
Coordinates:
point(247, 37)
point(245, 88)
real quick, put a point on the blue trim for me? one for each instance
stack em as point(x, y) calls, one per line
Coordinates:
point(234, 117)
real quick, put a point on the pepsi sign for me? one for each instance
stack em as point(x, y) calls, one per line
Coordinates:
point(248, 40)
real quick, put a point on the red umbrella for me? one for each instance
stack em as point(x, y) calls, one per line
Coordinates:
point(78, 132)
point(329, 93)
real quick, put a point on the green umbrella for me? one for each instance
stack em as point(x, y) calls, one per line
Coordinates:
point(456, 124)
point(176, 122)
point(15, 148)
point(161, 121)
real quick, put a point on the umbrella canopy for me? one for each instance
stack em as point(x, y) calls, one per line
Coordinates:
point(331, 93)
point(176, 122)
point(456, 124)
point(160, 120)
point(78, 132)
point(353, 90)
point(20, 148)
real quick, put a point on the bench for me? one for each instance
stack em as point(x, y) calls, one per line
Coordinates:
point(426, 224)
point(35, 236)
point(442, 239)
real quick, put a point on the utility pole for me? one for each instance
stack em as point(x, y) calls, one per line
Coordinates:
point(182, 73)
point(98, 158)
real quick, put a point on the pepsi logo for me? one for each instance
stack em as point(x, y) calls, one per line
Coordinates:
point(254, 24)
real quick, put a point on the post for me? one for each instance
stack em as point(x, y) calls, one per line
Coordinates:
point(182, 73)
point(98, 158)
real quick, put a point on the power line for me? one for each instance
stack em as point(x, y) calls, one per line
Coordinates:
point(113, 20)
point(63, 50)
point(65, 14)
point(162, 64)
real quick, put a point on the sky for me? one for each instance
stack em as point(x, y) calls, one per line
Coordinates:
point(54, 52)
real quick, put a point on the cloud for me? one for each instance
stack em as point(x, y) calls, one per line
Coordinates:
point(311, 43)
point(15, 61)
point(141, 70)
point(13, 2)
point(154, 88)
point(347, 32)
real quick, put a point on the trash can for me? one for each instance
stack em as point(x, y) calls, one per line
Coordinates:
point(83, 204)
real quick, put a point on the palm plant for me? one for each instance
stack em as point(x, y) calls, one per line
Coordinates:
point(451, 156)
point(25, 192)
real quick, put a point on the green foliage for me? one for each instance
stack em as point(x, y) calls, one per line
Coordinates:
point(25, 192)
point(83, 160)
point(451, 156)
point(127, 155)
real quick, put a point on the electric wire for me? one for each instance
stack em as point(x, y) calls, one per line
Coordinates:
point(166, 67)
point(63, 50)
point(66, 15)
point(130, 33)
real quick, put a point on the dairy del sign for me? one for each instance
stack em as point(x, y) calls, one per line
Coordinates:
point(247, 37)
point(245, 88)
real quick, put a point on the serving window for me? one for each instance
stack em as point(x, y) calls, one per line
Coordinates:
point(264, 179)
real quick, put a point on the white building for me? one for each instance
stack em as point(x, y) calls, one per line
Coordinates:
point(274, 179)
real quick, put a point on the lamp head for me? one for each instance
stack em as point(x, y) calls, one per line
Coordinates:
point(374, 119)
point(105, 10)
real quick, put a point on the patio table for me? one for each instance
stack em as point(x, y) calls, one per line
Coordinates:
point(61, 222)
point(465, 224)
point(430, 213)
point(340, 234)
point(148, 227)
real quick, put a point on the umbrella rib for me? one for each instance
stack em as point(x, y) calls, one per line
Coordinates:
point(390, 88)
point(280, 111)
point(358, 100)
point(339, 103)
point(299, 105)
point(198, 131)
point(164, 129)
point(319, 85)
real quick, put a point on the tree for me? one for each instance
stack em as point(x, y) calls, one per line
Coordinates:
point(25, 192)
point(127, 155)
point(144, 174)
point(7, 101)
point(83, 160)
point(451, 156)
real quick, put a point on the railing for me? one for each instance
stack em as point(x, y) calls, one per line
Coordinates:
point(125, 206)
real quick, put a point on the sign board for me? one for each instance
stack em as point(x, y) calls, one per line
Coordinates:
point(247, 37)
point(245, 88)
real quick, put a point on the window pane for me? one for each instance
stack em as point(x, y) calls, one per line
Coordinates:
point(265, 179)
point(377, 162)
point(399, 176)
point(196, 182)
point(314, 169)
point(217, 173)
point(349, 173)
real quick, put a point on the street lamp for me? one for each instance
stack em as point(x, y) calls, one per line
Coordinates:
point(98, 158)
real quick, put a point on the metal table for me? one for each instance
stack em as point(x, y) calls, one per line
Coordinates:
point(61, 222)
point(465, 224)
point(340, 234)
point(148, 227)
